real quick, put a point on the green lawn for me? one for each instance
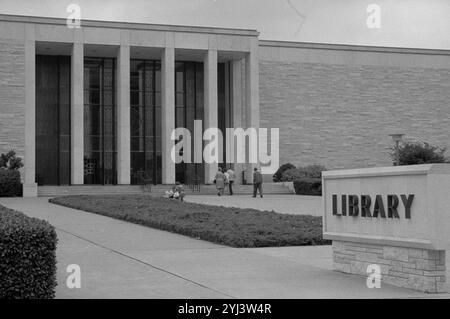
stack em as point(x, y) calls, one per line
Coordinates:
point(234, 227)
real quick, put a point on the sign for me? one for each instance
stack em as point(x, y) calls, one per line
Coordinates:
point(363, 204)
point(405, 206)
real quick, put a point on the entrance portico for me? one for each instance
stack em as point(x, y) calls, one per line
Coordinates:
point(160, 77)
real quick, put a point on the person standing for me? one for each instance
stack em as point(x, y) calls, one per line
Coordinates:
point(257, 182)
point(231, 177)
point(219, 179)
point(227, 181)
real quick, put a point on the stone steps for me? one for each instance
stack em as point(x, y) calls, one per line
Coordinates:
point(52, 191)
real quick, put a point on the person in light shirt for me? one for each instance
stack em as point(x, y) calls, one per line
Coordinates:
point(231, 177)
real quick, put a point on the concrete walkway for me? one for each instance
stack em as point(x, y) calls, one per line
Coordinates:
point(284, 204)
point(123, 260)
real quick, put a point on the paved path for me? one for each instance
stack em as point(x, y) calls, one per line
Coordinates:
point(123, 260)
point(285, 204)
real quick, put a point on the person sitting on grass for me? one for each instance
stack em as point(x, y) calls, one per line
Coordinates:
point(177, 192)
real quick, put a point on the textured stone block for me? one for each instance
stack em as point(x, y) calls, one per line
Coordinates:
point(395, 253)
point(422, 283)
point(399, 266)
point(417, 253)
point(403, 264)
point(412, 271)
point(369, 257)
point(342, 267)
point(338, 246)
point(425, 264)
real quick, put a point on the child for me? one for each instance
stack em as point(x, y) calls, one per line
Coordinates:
point(178, 191)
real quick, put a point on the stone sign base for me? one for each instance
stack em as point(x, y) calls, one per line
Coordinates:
point(419, 269)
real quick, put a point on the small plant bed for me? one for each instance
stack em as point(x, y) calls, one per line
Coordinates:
point(234, 227)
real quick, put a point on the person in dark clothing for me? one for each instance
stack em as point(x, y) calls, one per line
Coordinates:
point(257, 182)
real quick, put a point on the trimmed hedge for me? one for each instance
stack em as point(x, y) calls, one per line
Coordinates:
point(308, 186)
point(27, 256)
point(235, 227)
point(10, 185)
point(310, 171)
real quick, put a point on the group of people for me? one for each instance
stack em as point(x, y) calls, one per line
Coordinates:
point(177, 192)
point(225, 180)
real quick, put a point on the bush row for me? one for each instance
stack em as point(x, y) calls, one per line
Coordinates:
point(308, 186)
point(307, 180)
point(27, 256)
point(10, 185)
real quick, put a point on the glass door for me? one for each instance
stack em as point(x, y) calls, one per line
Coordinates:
point(99, 121)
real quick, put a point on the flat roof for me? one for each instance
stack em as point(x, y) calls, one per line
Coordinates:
point(225, 31)
point(351, 47)
point(130, 25)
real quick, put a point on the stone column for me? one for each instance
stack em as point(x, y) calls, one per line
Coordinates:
point(77, 114)
point(237, 105)
point(210, 107)
point(123, 116)
point(29, 180)
point(168, 113)
point(252, 96)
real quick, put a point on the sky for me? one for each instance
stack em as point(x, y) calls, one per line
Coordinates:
point(403, 23)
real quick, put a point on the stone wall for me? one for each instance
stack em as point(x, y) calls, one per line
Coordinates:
point(419, 269)
point(12, 96)
point(340, 115)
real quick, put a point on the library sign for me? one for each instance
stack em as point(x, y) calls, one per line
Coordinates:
point(361, 205)
point(398, 217)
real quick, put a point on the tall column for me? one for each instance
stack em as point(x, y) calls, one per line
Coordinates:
point(210, 107)
point(29, 183)
point(77, 114)
point(168, 113)
point(252, 96)
point(237, 105)
point(123, 116)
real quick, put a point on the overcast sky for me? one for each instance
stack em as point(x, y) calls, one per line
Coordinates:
point(404, 23)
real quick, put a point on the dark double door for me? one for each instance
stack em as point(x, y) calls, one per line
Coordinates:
point(53, 123)
point(52, 120)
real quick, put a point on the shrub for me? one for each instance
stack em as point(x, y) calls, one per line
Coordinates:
point(313, 171)
point(310, 171)
point(27, 256)
point(411, 153)
point(291, 174)
point(308, 186)
point(279, 173)
point(10, 184)
point(10, 161)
